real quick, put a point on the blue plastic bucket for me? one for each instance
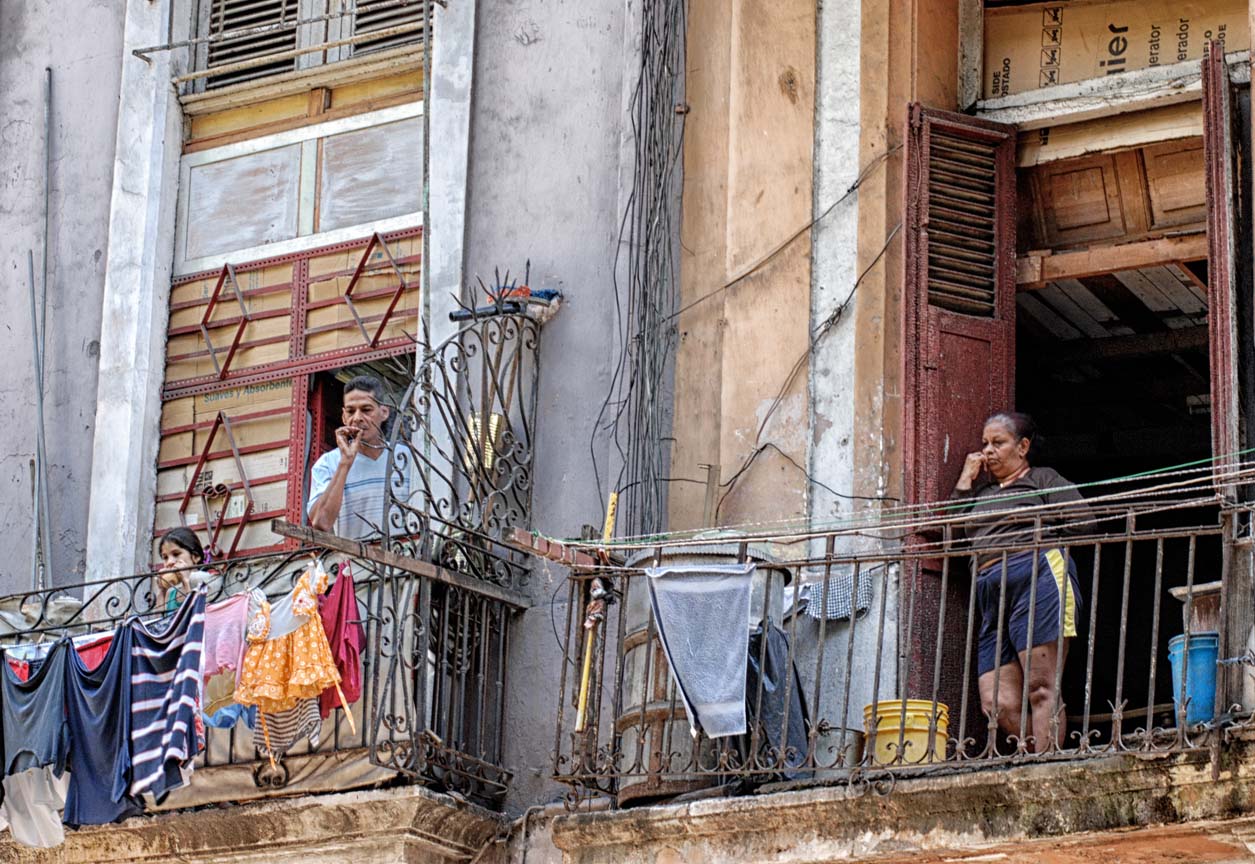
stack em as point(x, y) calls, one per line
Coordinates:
point(1200, 686)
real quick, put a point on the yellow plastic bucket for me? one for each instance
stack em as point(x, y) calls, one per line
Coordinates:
point(903, 725)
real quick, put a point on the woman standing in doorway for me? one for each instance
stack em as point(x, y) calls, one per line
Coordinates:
point(997, 481)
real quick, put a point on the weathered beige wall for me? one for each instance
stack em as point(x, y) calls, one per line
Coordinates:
point(909, 52)
point(747, 189)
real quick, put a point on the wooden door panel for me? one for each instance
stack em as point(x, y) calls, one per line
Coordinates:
point(1221, 259)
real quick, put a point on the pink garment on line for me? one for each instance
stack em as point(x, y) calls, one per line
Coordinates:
point(341, 620)
point(225, 625)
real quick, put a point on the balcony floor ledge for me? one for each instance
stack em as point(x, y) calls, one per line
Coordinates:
point(922, 818)
point(409, 824)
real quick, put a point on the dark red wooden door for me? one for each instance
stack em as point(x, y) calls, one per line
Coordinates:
point(958, 354)
point(959, 293)
point(1218, 154)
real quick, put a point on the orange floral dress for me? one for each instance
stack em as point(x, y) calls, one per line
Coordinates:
point(279, 673)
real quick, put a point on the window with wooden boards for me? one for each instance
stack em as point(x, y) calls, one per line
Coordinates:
point(243, 346)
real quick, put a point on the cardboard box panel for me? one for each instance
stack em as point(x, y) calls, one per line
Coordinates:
point(244, 399)
point(347, 261)
point(1030, 47)
point(272, 430)
point(199, 290)
point(181, 370)
point(380, 279)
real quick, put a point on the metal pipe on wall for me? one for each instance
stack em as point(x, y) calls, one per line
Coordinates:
point(41, 459)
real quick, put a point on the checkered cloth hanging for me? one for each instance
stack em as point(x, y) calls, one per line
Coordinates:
point(839, 603)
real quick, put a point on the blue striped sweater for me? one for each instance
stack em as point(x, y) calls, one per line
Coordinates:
point(166, 730)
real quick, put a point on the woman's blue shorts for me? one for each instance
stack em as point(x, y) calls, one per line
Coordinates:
point(1058, 603)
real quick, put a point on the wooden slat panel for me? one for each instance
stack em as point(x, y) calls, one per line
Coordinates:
point(230, 15)
point(243, 202)
point(369, 174)
point(961, 263)
point(1174, 174)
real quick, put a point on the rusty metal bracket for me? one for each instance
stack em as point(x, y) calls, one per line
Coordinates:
point(402, 286)
point(227, 275)
point(220, 422)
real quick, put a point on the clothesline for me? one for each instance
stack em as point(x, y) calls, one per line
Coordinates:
point(1205, 468)
point(1195, 479)
point(923, 546)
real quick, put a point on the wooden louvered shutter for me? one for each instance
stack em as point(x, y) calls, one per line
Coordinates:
point(374, 16)
point(959, 298)
point(240, 21)
point(1222, 269)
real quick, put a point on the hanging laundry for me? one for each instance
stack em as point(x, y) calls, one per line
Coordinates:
point(285, 728)
point(93, 651)
point(229, 715)
point(36, 748)
point(226, 626)
point(342, 623)
point(98, 712)
point(836, 601)
point(282, 666)
point(32, 801)
point(166, 727)
point(221, 711)
point(35, 732)
point(702, 613)
point(25, 660)
point(766, 686)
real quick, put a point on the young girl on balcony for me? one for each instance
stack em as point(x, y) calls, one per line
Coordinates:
point(180, 550)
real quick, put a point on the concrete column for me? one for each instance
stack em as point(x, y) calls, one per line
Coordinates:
point(452, 76)
point(136, 294)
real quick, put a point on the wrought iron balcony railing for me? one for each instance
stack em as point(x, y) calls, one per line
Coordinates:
point(880, 679)
point(433, 674)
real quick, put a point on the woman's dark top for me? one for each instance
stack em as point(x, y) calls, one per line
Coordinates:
point(35, 729)
point(98, 710)
point(991, 528)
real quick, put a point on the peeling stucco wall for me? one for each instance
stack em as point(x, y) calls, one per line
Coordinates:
point(547, 127)
point(81, 42)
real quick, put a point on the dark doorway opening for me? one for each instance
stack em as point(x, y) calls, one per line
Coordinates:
point(1114, 368)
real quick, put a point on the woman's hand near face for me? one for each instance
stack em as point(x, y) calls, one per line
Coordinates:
point(972, 467)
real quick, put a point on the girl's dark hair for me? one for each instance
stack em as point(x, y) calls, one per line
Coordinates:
point(184, 538)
